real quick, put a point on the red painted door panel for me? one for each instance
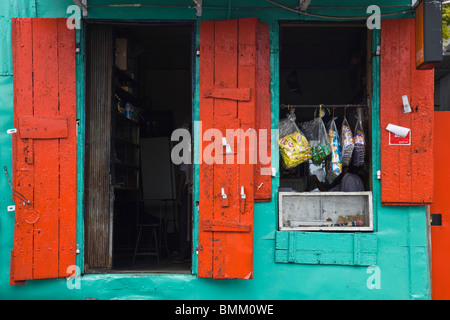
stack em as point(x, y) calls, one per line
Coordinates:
point(228, 99)
point(263, 169)
point(44, 148)
point(406, 170)
point(440, 235)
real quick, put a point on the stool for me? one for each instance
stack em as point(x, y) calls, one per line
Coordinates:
point(150, 251)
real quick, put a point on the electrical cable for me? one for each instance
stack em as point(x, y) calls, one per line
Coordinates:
point(335, 17)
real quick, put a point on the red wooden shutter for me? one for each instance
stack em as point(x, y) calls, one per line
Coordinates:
point(44, 149)
point(406, 170)
point(228, 72)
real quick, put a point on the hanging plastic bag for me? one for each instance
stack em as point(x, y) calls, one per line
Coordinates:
point(294, 147)
point(360, 144)
point(347, 143)
point(318, 170)
point(334, 164)
point(316, 133)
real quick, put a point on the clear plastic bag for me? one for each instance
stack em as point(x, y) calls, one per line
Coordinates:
point(334, 164)
point(347, 143)
point(318, 170)
point(317, 135)
point(294, 147)
point(359, 150)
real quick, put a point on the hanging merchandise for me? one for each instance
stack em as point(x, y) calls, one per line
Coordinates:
point(316, 133)
point(294, 147)
point(319, 170)
point(334, 165)
point(347, 143)
point(360, 144)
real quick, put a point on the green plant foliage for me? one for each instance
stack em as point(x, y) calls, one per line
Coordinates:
point(445, 21)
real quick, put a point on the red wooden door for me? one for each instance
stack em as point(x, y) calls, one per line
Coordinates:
point(44, 149)
point(406, 170)
point(229, 54)
point(440, 234)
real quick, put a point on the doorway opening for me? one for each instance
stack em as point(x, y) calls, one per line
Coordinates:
point(137, 202)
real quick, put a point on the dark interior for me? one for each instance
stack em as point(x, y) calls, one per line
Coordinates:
point(159, 60)
point(151, 80)
point(320, 65)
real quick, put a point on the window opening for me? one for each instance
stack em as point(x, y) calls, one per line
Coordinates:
point(325, 88)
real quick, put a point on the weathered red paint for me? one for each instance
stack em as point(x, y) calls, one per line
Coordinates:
point(44, 148)
point(440, 235)
point(31, 127)
point(263, 171)
point(228, 64)
point(406, 171)
point(238, 94)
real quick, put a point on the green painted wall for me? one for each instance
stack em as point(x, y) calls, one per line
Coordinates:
point(402, 231)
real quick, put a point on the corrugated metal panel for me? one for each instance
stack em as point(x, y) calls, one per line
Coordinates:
point(8, 10)
point(98, 147)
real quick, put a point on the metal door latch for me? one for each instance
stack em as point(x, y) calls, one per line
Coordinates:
point(224, 198)
point(14, 191)
point(224, 195)
point(243, 196)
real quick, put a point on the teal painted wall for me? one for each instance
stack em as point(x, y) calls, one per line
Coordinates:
point(401, 231)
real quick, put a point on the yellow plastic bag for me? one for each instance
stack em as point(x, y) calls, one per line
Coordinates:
point(294, 147)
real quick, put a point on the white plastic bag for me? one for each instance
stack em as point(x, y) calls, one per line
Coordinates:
point(347, 143)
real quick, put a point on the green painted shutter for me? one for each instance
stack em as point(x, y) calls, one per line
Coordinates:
point(355, 249)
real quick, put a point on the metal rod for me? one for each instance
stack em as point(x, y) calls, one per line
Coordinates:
point(282, 106)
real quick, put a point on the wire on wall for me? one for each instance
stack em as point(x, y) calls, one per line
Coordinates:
point(335, 17)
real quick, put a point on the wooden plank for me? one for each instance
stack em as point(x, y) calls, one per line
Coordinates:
point(223, 226)
point(22, 254)
point(225, 175)
point(238, 94)
point(326, 248)
point(46, 162)
point(422, 150)
point(389, 91)
point(404, 40)
point(68, 148)
point(206, 172)
point(243, 258)
point(31, 127)
point(225, 66)
point(263, 169)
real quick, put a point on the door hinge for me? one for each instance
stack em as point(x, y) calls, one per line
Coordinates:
point(379, 174)
point(76, 127)
point(13, 130)
point(377, 53)
point(436, 219)
point(11, 208)
point(77, 48)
